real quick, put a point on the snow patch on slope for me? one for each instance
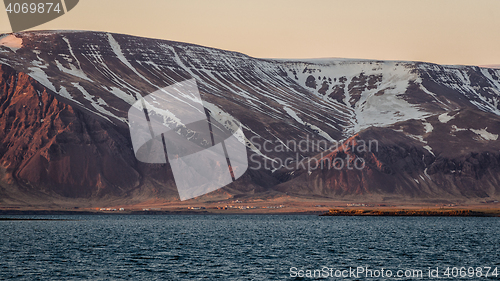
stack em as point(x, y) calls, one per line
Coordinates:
point(64, 93)
point(98, 105)
point(130, 99)
point(38, 74)
point(428, 127)
point(316, 129)
point(11, 42)
point(459, 78)
point(454, 129)
point(428, 148)
point(96, 59)
point(73, 71)
point(485, 134)
point(444, 118)
point(382, 105)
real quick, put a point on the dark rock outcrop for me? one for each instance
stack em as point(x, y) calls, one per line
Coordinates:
point(47, 144)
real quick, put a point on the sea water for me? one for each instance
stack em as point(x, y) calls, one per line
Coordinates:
point(249, 247)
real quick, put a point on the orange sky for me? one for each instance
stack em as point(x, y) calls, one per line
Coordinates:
point(440, 31)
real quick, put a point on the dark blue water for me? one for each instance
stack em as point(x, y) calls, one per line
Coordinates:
point(244, 247)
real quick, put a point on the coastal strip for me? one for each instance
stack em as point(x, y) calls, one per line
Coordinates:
point(413, 213)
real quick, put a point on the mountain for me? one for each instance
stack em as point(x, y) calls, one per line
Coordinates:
point(64, 135)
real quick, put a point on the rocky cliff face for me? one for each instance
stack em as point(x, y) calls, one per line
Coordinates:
point(64, 130)
point(50, 145)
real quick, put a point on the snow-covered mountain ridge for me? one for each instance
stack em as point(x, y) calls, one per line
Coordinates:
point(334, 98)
point(65, 95)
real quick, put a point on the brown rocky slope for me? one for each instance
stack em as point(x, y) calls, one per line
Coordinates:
point(50, 148)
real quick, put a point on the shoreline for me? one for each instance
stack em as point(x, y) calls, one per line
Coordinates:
point(413, 213)
point(153, 213)
point(281, 206)
point(366, 212)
